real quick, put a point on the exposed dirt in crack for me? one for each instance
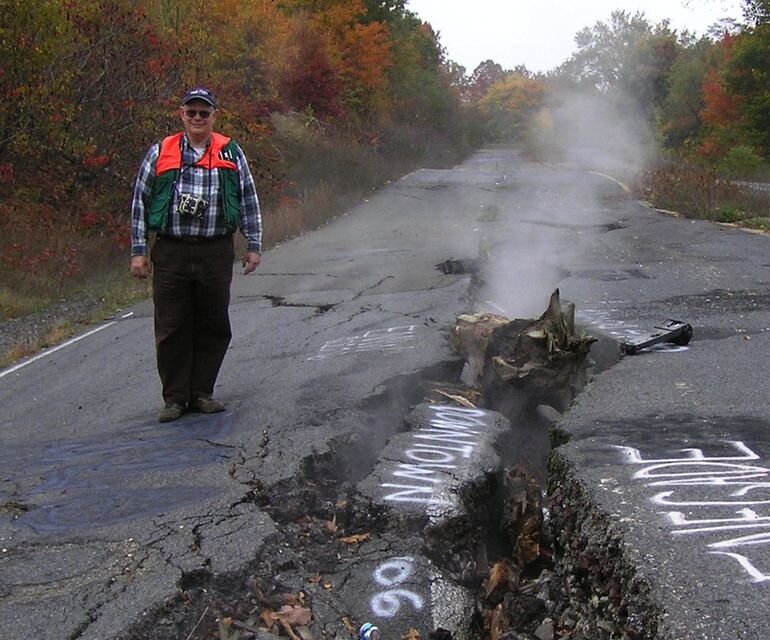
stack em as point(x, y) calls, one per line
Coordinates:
point(502, 550)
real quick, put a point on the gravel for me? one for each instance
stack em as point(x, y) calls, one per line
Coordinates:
point(30, 331)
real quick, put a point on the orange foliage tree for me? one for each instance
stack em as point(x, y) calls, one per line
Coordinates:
point(721, 115)
point(86, 87)
point(509, 105)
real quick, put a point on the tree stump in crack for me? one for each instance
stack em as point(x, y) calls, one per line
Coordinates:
point(544, 358)
point(470, 337)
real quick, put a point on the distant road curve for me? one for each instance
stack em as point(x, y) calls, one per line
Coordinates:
point(761, 187)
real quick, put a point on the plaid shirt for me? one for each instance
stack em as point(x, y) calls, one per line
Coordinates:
point(201, 183)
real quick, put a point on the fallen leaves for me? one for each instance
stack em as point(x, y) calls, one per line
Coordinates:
point(356, 538)
point(412, 634)
point(292, 614)
point(502, 578)
point(523, 515)
point(287, 617)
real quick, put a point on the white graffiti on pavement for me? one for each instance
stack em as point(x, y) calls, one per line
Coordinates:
point(392, 573)
point(395, 339)
point(718, 482)
point(444, 445)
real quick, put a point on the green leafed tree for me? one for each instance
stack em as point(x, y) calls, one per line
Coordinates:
point(420, 88)
point(679, 118)
point(757, 11)
point(748, 75)
point(626, 54)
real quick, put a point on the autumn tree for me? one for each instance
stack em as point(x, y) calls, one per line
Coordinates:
point(680, 115)
point(311, 81)
point(509, 105)
point(337, 60)
point(30, 45)
point(483, 77)
point(75, 85)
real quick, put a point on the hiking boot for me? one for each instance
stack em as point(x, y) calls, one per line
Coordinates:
point(206, 404)
point(171, 411)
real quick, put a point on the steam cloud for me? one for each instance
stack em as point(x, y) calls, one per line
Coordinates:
point(576, 135)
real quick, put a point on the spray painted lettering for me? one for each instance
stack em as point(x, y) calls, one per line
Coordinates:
point(444, 445)
point(711, 485)
point(436, 453)
point(394, 339)
point(393, 573)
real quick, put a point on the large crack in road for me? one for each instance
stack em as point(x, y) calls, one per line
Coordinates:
point(402, 525)
point(356, 476)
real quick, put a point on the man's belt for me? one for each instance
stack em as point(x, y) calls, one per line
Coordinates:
point(193, 239)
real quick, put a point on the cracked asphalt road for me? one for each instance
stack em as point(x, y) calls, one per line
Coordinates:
point(110, 520)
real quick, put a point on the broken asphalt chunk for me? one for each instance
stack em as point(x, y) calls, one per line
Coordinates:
point(671, 331)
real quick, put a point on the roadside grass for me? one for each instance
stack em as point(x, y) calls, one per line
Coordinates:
point(56, 334)
point(101, 298)
point(697, 192)
point(18, 352)
point(14, 304)
point(78, 251)
point(760, 224)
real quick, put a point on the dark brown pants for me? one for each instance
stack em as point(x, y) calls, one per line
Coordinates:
point(191, 292)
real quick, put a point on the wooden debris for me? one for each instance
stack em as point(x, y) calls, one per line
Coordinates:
point(461, 400)
point(547, 355)
point(470, 336)
point(541, 350)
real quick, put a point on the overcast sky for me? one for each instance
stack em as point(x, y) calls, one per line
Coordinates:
point(540, 33)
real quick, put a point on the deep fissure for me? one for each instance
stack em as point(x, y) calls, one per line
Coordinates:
point(321, 500)
point(324, 492)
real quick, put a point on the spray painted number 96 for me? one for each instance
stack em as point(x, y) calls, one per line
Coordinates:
point(392, 573)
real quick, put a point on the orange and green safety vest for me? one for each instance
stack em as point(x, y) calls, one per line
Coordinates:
point(220, 155)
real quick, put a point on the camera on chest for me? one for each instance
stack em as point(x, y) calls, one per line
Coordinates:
point(192, 206)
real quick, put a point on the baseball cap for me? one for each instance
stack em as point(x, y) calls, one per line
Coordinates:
point(199, 93)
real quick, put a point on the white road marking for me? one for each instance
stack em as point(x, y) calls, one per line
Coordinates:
point(48, 352)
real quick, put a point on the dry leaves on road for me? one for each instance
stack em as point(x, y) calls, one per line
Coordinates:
point(356, 538)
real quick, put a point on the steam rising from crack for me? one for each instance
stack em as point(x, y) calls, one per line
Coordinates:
point(592, 144)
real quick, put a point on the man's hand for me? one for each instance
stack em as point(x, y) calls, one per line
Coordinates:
point(250, 261)
point(140, 267)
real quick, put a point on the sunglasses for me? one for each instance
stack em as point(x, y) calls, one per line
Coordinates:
point(192, 113)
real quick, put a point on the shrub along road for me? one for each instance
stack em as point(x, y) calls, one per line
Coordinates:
point(335, 476)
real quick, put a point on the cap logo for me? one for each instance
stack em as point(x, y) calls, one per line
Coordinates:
point(199, 93)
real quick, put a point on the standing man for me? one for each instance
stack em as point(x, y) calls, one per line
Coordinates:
point(194, 189)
